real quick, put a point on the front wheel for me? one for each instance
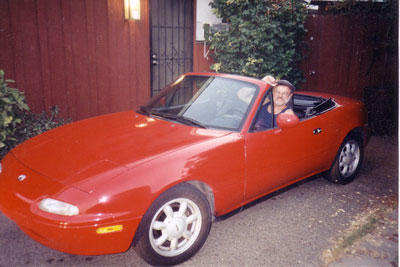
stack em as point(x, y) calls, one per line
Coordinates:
point(175, 227)
point(347, 162)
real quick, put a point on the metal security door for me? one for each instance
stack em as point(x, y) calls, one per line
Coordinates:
point(171, 41)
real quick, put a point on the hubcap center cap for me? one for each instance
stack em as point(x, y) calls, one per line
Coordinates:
point(350, 159)
point(176, 227)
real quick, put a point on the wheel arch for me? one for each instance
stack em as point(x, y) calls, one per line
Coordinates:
point(332, 174)
point(203, 187)
point(358, 133)
point(207, 191)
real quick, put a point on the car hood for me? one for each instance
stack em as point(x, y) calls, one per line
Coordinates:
point(106, 144)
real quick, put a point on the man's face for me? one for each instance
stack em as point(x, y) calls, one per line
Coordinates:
point(281, 94)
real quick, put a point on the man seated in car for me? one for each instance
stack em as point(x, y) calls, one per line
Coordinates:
point(281, 94)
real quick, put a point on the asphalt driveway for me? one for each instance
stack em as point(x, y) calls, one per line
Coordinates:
point(292, 227)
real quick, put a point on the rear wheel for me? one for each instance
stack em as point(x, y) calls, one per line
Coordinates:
point(348, 161)
point(175, 227)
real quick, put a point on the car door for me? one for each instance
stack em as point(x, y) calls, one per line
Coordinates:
point(277, 157)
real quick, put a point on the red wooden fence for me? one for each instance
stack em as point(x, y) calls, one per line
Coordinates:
point(78, 54)
point(350, 53)
point(201, 63)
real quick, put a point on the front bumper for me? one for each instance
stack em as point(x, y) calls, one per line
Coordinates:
point(70, 234)
point(82, 240)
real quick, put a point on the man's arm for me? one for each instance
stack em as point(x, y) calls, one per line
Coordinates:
point(270, 80)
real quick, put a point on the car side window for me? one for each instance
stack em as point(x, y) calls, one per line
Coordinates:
point(264, 118)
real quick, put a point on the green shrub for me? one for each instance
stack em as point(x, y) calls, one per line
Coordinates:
point(264, 37)
point(35, 124)
point(12, 109)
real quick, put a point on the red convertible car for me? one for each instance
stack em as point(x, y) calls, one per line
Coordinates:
point(154, 179)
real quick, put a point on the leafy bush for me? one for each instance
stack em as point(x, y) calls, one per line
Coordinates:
point(17, 123)
point(264, 37)
point(35, 124)
point(12, 108)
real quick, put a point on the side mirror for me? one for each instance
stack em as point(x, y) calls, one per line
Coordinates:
point(285, 120)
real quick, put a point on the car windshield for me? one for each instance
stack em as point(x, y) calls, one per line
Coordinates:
point(204, 101)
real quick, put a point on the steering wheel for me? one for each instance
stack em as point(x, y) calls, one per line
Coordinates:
point(234, 114)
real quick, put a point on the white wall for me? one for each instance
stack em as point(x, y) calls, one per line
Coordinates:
point(204, 15)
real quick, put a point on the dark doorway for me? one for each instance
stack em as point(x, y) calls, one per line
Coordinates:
point(171, 41)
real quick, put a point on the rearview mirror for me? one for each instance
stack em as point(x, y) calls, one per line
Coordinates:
point(286, 120)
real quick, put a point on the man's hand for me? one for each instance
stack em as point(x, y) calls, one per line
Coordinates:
point(270, 80)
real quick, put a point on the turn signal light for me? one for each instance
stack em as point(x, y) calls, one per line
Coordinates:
point(110, 229)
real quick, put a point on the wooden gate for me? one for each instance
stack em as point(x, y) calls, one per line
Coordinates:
point(348, 53)
point(355, 55)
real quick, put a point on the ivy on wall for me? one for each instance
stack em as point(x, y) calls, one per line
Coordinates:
point(263, 37)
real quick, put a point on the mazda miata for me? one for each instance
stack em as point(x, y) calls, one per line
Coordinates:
point(156, 178)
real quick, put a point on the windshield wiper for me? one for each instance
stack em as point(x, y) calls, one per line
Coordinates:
point(164, 115)
point(144, 110)
point(181, 119)
point(194, 122)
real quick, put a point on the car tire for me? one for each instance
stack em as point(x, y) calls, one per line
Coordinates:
point(175, 226)
point(348, 161)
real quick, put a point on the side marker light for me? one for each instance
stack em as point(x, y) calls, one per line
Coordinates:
point(110, 229)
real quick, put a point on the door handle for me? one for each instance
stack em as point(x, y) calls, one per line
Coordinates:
point(317, 131)
point(154, 59)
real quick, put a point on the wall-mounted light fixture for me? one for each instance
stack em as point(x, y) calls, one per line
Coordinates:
point(132, 9)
